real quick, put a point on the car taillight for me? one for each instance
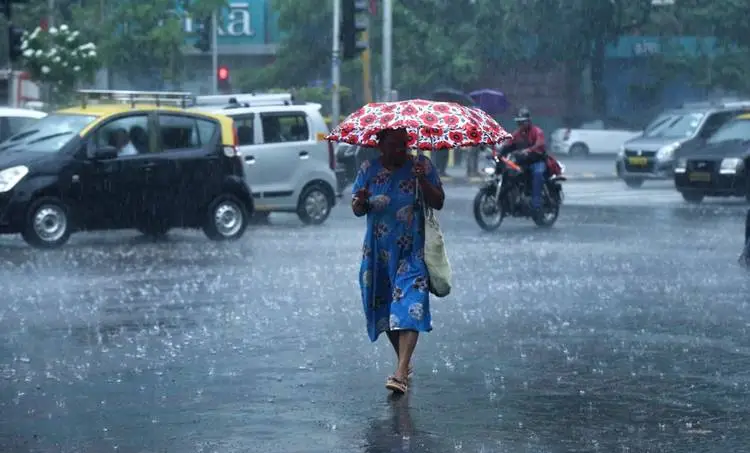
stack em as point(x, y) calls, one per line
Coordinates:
point(567, 134)
point(233, 151)
point(331, 156)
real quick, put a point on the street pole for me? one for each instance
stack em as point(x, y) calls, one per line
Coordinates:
point(51, 13)
point(367, 66)
point(215, 52)
point(7, 11)
point(336, 65)
point(387, 48)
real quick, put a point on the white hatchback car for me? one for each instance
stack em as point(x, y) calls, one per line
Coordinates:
point(289, 165)
point(593, 137)
point(13, 120)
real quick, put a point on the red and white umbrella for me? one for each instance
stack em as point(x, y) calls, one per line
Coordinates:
point(431, 125)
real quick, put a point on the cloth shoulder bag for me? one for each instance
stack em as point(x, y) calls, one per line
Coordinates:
point(435, 254)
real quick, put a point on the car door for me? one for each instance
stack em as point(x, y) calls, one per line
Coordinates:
point(113, 190)
point(188, 171)
point(283, 151)
point(593, 135)
point(246, 141)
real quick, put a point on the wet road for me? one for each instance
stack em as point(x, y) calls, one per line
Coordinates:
point(623, 329)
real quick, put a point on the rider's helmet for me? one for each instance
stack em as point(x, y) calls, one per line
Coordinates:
point(523, 117)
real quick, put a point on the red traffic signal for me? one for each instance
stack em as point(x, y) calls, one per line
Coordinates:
point(223, 73)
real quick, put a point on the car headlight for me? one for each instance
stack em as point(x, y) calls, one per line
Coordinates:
point(12, 176)
point(667, 152)
point(730, 165)
point(621, 153)
point(680, 166)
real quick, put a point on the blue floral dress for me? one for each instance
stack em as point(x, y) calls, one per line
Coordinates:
point(393, 276)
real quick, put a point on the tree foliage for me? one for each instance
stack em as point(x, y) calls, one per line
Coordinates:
point(143, 40)
point(60, 57)
point(723, 67)
point(140, 40)
point(435, 43)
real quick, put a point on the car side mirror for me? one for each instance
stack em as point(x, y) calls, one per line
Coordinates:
point(105, 152)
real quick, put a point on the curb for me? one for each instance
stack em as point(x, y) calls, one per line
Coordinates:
point(572, 177)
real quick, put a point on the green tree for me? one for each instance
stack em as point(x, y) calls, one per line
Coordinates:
point(723, 66)
point(138, 38)
point(60, 58)
point(574, 33)
point(434, 44)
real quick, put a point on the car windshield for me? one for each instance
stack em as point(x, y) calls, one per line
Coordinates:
point(49, 134)
point(735, 130)
point(675, 125)
point(659, 121)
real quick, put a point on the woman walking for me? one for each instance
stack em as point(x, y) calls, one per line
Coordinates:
point(393, 276)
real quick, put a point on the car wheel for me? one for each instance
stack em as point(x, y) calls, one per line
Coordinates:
point(226, 219)
point(693, 198)
point(634, 183)
point(579, 150)
point(48, 223)
point(315, 205)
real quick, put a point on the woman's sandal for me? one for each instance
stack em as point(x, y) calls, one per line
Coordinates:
point(409, 375)
point(396, 385)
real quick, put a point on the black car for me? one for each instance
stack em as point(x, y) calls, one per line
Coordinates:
point(717, 167)
point(106, 167)
point(653, 154)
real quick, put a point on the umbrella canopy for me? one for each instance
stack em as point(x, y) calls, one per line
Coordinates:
point(431, 125)
point(491, 101)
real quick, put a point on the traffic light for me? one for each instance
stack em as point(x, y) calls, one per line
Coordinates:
point(15, 40)
point(204, 35)
point(353, 23)
point(222, 75)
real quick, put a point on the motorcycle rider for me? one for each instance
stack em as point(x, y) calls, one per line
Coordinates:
point(530, 150)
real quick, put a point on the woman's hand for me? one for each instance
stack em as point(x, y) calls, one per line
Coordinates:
point(433, 196)
point(360, 203)
point(379, 202)
point(419, 169)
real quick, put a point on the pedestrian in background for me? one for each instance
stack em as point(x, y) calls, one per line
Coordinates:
point(745, 255)
point(393, 277)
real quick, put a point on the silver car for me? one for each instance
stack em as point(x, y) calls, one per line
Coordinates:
point(288, 163)
point(652, 154)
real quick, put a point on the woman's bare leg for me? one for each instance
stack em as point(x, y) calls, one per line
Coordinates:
point(406, 343)
point(393, 336)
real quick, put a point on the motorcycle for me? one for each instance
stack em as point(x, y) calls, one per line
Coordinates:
point(507, 192)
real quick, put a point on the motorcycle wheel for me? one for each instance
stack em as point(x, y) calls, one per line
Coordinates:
point(550, 212)
point(484, 202)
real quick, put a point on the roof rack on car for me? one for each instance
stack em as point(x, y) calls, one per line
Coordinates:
point(233, 101)
point(173, 98)
point(722, 102)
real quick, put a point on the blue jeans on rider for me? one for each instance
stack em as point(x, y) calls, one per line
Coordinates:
point(537, 182)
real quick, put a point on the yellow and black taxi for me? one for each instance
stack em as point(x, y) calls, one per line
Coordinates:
point(124, 160)
point(717, 167)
